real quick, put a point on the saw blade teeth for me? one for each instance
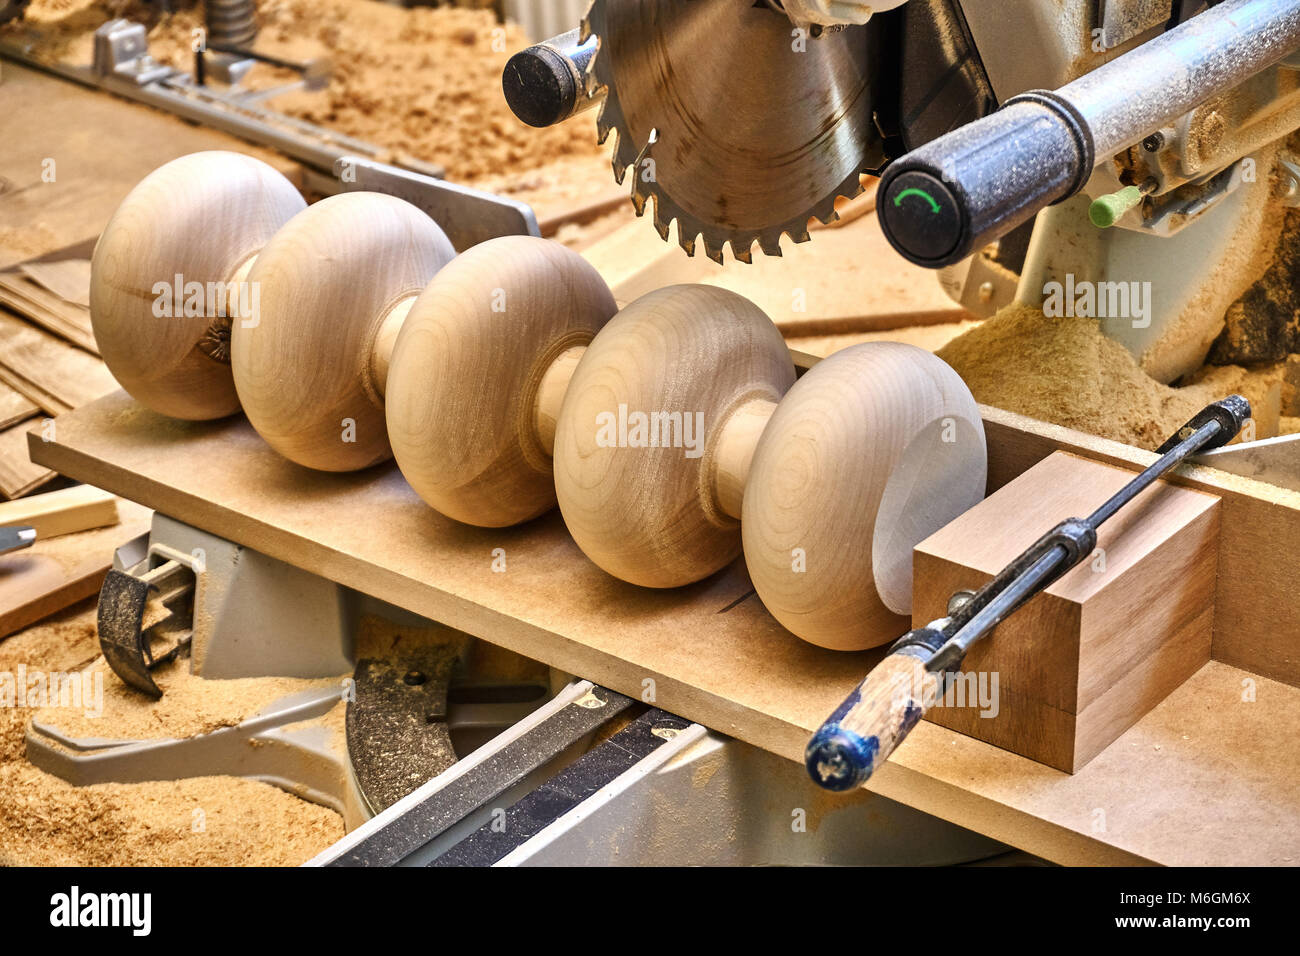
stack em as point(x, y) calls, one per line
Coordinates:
point(629, 151)
point(638, 202)
point(662, 225)
point(770, 244)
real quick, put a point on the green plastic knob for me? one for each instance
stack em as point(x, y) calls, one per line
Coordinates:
point(1108, 210)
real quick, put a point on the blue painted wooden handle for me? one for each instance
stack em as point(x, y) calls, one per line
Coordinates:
point(871, 722)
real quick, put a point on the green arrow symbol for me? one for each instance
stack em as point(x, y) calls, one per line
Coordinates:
point(934, 205)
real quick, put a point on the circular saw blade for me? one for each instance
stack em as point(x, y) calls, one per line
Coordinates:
point(740, 129)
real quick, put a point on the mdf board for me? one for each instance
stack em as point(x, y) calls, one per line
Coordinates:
point(1217, 782)
point(1082, 662)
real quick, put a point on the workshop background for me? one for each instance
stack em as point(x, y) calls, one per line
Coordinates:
point(1174, 752)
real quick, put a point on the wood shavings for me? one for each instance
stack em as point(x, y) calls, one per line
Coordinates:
point(1065, 371)
point(190, 704)
point(204, 821)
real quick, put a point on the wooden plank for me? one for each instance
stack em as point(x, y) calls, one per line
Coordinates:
point(14, 407)
point(50, 372)
point(44, 308)
point(18, 476)
point(1201, 779)
point(57, 572)
point(66, 184)
point(66, 511)
point(846, 279)
point(69, 279)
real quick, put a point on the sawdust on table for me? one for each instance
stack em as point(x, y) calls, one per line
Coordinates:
point(190, 704)
point(423, 82)
point(203, 821)
point(1067, 372)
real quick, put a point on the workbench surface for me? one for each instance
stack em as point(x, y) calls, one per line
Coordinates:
point(1208, 777)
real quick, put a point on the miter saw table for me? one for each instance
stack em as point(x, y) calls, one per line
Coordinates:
point(724, 684)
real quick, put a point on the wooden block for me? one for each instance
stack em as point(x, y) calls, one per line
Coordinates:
point(1084, 661)
point(55, 573)
point(66, 511)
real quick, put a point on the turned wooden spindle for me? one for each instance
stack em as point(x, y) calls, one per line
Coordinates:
point(199, 221)
point(479, 372)
point(336, 284)
point(296, 310)
point(312, 324)
point(826, 484)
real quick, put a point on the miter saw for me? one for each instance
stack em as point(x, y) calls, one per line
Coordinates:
point(1152, 135)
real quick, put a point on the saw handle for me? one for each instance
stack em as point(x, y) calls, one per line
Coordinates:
point(871, 723)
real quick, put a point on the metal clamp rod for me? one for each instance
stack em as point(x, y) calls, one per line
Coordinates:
point(951, 197)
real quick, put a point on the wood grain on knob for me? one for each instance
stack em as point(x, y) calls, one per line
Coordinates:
point(478, 370)
point(333, 284)
point(643, 503)
point(873, 450)
point(197, 220)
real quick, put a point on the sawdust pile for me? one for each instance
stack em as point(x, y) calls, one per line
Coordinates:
point(1065, 371)
point(205, 821)
point(423, 82)
point(190, 705)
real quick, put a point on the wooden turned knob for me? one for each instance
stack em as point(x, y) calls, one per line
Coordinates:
point(161, 277)
point(333, 287)
point(650, 443)
point(874, 449)
point(478, 372)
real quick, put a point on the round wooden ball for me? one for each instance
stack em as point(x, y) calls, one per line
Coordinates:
point(304, 359)
point(874, 449)
point(685, 354)
point(191, 223)
point(467, 366)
